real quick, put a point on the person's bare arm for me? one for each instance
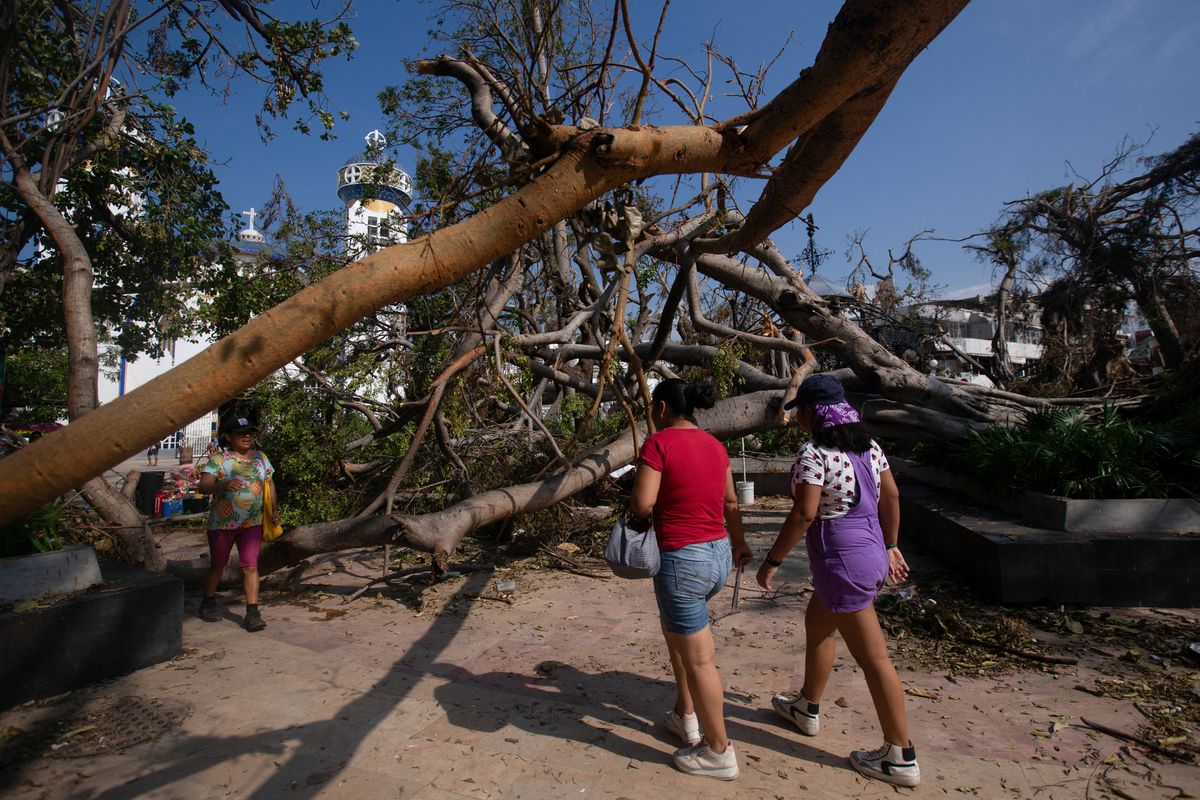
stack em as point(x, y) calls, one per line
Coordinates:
point(804, 511)
point(742, 554)
point(889, 522)
point(210, 484)
point(645, 492)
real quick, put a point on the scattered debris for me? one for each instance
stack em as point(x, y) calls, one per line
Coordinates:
point(575, 566)
point(1129, 737)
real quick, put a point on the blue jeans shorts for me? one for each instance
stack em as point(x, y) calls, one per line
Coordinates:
point(687, 579)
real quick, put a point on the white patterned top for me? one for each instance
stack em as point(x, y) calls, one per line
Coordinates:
point(832, 470)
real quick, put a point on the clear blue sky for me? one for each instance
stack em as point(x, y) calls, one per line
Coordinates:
point(996, 107)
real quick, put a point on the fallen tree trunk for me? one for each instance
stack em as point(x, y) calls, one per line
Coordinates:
point(440, 532)
point(132, 530)
point(868, 46)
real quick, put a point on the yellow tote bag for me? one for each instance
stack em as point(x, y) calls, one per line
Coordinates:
point(271, 530)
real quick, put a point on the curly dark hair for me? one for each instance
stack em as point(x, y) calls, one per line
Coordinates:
point(850, 438)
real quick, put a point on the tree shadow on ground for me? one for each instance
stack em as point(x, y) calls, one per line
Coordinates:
point(560, 701)
point(593, 709)
point(326, 746)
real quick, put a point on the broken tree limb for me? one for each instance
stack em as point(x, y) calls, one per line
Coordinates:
point(441, 531)
point(1129, 737)
point(572, 565)
point(868, 43)
point(129, 487)
point(1015, 651)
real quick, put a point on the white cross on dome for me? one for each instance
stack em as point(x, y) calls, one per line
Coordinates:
point(375, 139)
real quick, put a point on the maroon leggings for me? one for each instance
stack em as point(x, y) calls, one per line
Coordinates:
point(249, 542)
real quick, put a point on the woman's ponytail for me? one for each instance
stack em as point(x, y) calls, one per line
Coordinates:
point(683, 398)
point(700, 395)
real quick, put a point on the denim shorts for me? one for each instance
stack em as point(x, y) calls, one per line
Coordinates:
point(687, 579)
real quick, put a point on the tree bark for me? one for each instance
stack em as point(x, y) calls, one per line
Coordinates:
point(872, 39)
point(439, 533)
point(134, 534)
point(83, 369)
point(129, 488)
point(1002, 370)
point(1150, 301)
point(83, 356)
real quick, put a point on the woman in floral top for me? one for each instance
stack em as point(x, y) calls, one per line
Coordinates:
point(236, 477)
point(846, 507)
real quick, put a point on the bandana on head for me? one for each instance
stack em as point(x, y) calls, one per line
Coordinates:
point(836, 414)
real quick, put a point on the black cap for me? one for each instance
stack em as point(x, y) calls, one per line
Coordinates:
point(822, 389)
point(240, 425)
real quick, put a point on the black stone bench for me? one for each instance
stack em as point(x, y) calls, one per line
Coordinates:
point(1016, 563)
point(131, 620)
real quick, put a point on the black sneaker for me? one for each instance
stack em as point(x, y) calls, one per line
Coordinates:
point(254, 620)
point(209, 611)
point(891, 763)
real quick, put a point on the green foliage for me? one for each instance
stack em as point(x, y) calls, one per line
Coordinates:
point(305, 434)
point(1063, 453)
point(85, 118)
point(39, 532)
point(723, 370)
point(605, 425)
point(34, 376)
point(775, 442)
point(574, 406)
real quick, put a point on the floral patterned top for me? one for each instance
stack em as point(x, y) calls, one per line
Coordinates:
point(832, 470)
point(242, 508)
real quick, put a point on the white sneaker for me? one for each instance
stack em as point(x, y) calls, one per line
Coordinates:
point(800, 712)
point(891, 763)
point(701, 760)
point(685, 726)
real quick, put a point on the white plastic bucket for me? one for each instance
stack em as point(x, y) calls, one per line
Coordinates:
point(745, 492)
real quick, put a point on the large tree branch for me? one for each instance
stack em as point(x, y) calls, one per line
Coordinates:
point(441, 532)
point(481, 101)
point(812, 161)
point(898, 31)
point(591, 164)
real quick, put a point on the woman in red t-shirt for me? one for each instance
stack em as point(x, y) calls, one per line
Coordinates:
point(684, 480)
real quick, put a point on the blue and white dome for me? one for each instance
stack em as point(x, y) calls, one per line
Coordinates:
point(359, 177)
point(250, 242)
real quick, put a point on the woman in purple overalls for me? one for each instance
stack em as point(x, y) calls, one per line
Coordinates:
point(846, 506)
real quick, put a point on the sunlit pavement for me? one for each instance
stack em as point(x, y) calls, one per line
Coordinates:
point(560, 694)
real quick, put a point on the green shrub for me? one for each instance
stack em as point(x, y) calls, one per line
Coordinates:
point(1064, 453)
point(773, 442)
point(39, 532)
point(304, 435)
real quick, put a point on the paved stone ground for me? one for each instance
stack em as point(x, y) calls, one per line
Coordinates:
point(558, 695)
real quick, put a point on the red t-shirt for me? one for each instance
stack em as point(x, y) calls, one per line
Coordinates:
point(691, 498)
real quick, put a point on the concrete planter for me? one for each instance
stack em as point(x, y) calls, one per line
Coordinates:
point(770, 475)
point(71, 569)
point(1014, 562)
point(1062, 513)
point(130, 620)
point(1110, 516)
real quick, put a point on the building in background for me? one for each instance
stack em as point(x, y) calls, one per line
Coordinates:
point(376, 194)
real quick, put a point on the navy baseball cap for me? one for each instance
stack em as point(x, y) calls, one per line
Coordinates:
point(822, 389)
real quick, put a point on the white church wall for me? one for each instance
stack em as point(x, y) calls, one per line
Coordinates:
point(196, 433)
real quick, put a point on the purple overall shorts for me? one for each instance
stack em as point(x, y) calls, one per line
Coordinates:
point(846, 554)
